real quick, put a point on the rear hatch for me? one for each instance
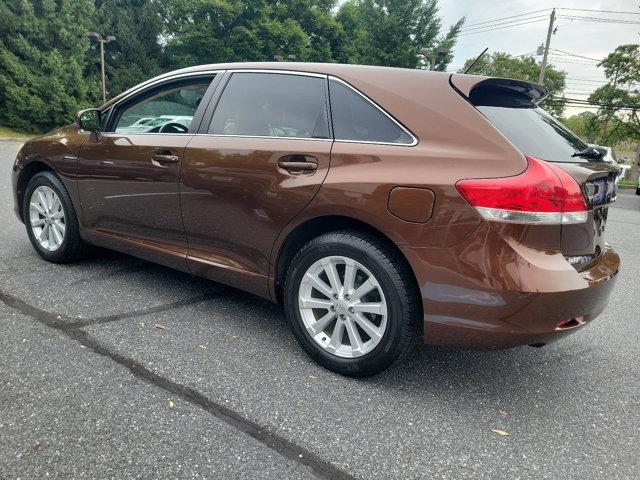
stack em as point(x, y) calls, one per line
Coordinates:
point(512, 107)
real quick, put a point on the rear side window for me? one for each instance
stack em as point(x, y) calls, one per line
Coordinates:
point(356, 119)
point(272, 105)
point(528, 127)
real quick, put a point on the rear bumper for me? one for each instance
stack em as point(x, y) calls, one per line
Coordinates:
point(490, 293)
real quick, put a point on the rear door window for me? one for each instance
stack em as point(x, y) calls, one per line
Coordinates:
point(357, 119)
point(272, 105)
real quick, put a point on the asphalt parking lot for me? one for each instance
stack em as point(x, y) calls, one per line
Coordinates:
point(118, 368)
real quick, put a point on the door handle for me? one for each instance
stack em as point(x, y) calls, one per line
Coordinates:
point(163, 156)
point(297, 164)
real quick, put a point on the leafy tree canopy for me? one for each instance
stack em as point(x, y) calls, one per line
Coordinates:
point(622, 69)
point(42, 58)
point(392, 32)
point(213, 31)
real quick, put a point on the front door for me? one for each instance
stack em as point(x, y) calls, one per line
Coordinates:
point(254, 166)
point(128, 175)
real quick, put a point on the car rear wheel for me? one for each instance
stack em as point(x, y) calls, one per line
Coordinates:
point(51, 221)
point(351, 303)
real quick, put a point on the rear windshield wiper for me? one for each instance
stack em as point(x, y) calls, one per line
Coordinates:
point(589, 152)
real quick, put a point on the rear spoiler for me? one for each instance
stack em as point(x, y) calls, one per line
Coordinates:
point(470, 85)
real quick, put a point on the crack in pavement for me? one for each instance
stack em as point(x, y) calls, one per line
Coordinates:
point(80, 323)
point(274, 441)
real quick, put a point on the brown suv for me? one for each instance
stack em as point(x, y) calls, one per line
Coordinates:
point(378, 205)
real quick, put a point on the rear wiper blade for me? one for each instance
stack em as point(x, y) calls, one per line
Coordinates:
point(589, 152)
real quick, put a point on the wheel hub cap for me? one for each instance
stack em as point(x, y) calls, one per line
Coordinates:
point(46, 217)
point(343, 306)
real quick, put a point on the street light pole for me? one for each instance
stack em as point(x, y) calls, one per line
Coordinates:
point(433, 55)
point(546, 47)
point(102, 41)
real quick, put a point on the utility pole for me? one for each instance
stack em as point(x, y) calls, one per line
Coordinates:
point(102, 41)
point(546, 47)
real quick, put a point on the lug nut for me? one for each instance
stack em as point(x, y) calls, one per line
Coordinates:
point(347, 297)
point(342, 317)
point(335, 295)
point(351, 310)
point(333, 308)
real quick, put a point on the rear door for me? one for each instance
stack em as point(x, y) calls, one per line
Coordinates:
point(536, 133)
point(260, 156)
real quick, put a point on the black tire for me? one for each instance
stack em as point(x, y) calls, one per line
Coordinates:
point(73, 248)
point(398, 285)
point(638, 191)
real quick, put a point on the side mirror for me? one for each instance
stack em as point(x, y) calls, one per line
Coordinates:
point(89, 119)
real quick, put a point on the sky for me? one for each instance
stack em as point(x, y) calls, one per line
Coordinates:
point(589, 39)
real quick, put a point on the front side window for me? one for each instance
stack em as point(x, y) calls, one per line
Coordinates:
point(356, 119)
point(168, 110)
point(272, 105)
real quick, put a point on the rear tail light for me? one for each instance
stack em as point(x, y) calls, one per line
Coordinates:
point(542, 194)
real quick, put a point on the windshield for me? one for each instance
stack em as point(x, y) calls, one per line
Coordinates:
point(536, 133)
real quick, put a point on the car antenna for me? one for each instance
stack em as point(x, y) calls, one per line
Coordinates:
point(476, 60)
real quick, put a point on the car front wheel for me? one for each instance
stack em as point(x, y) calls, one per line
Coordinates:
point(352, 303)
point(51, 221)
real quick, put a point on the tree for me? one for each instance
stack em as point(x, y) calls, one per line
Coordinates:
point(212, 31)
point(392, 32)
point(587, 125)
point(620, 98)
point(622, 69)
point(42, 56)
point(136, 55)
point(500, 64)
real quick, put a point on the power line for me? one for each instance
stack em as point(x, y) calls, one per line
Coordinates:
point(578, 101)
point(518, 17)
point(598, 11)
point(570, 62)
point(576, 55)
point(586, 80)
point(499, 23)
point(504, 18)
point(600, 19)
point(500, 28)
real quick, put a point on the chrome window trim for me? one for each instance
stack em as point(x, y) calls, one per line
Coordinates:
point(384, 112)
point(281, 72)
point(143, 86)
point(129, 134)
point(264, 137)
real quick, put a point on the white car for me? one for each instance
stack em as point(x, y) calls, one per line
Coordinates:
point(609, 156)
point(156, 124)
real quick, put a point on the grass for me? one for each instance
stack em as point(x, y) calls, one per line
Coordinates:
point(10, 133)
point(627, 184)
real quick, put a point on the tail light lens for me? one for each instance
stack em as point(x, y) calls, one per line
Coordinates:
point(542, 194)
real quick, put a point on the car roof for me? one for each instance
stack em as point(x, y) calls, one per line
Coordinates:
point(347, 72)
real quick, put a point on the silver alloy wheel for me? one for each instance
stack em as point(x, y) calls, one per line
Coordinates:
point(342, 306)
point(46, 216)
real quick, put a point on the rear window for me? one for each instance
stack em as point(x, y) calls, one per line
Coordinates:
point(528, 127)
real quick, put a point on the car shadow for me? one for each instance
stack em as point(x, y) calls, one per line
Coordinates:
point(501, 377)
